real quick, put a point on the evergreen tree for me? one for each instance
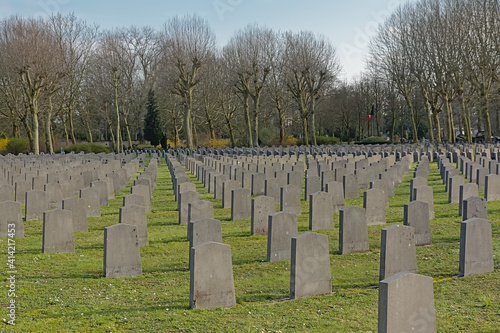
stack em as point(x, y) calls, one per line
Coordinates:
point(152, 126)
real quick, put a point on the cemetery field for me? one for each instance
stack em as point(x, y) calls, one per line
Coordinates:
point(67, 292)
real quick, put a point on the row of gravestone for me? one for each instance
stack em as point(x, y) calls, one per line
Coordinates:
point(211, 266)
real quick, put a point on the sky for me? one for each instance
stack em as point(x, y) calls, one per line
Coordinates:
point(349, 25)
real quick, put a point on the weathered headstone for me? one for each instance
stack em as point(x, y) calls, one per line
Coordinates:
point(281, 228)
point(492, 188)
point(197, 210)
point(258, 184)
point(374, 203)
point(241, 202)
point(310, 273)
point(313, 185)
point(397, 251)
point(476, 247)
point(136, 215)
point(227, 187)
point(7, 193)
point(144, 191)
point(183, 204)
point(353, 230)
point(406, 304)
point(336, 191)
point(11, 221)
point(454, 188)
point(273, 189)
point(416, 215)
point(211, 276)
point(465, 192)
point(36, 204)
point(290, 199)
point(134, 199)
point(122, 255)
point(425, 194)
point(474, 207)
point(416, 182)
point(79, 213)
point(102, 191)
point(21, 187)
point(262, 207)
point(91, 197)
point(58, 232)
point(320, 211)
point(351, 187)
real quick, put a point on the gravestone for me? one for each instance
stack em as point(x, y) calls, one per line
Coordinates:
point(7, 193)
point(183, 187)
point(58, 232)
point(241, 202)
point(474, 207)
point(336, 191)
point(397, 251)
point(134, 199)
point(310, 273)
point(295, 178)
point(406, 304)
point(258, 184)
point(36, 204)
point(197, 210)
point(202, 231)
point(102, 191)
point(144, 191)
point(416, 215)
point(136, 215)
point(454, 188)
point(79, 213)
point(282, 227)
point(313, 185)
point(476, 247)
point(262, 207)
point(320, 211)
point(183, 204)
point(11, 221)
point(374, 203)
point(351, 187)
point(211, 277)
point(273, 189)
point(466, 191)
point(122, 254)
point(219, 180)
point(416, 182)
point(353, 230)
point(290, 199)
point(481, 177)
point(227, 187)
point(21, 187)
point(492, 188)
point(91, 197)
point(425, 194)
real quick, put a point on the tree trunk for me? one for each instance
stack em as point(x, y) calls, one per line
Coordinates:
point(256, 111)
point(467, 122)
point(312, 115)
point(412, 118)
point(48, 129)
point(451, 126)
point(188, 127)
point(71, 126)
point(36, 135)
point(305, 130)
point(246, 109)
point(231, 132)
point(435, 115)
point(486, 115)
point(117, 146)
point(282, 127)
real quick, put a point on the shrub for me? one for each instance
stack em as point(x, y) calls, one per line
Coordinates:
point(217, 143)
point(3, 145)
point(86, 148)
point(326, 140)
point(171, 143)
point(144, 146)
point(373, 140)
point(291, 141)
point(17, 146)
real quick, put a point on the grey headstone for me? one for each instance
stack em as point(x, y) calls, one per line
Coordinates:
point(79, 213)
point(202, 231)
point(492, 188)
point(476, 247)
point(313, 185)
point(183, 204)
point(91, 197)
point(258, 184)
point(406, 304)
point(290, 199)
point(320, 211)
point(11, 221)
point(144, 191)
point(211, 277)
point(122, 256)
point(425, 194)
point(351, 187)
point(136, 215)
point(374, 203)
point(282, 227)
point(262, 207)
point(58, 232)
point(273, 189)
point(102, 191)
point(397, 251)
point(474, 207)
point(466, 191)
point(36, 204)
point(416, 182)
point(227, 187)
point(454, 188)
point(197, 210)
point(241, 202)
point(7, 193)
point(310, 273)
point(353, 230)
point(416, 215)
point(336, 191)
point(21, 187)
point(219, 180)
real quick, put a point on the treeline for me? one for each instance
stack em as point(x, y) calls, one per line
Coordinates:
point(432, 72)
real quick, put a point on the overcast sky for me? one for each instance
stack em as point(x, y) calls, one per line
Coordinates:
point(348, 24)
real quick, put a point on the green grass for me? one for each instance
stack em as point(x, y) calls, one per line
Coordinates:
point(67, 292)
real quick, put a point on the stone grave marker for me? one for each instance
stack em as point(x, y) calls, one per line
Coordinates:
point(416, 215)
point(36, 204)
point(476, 247)
point(91, 197)
point(122, 254)
point(11, 221)
point(58, 231)
point(262, 207)
point(474, 207)
point(136, 215)
point(397, 251)
point(374, 203)
point(320, 212)
point(79, 213)
point(353, 230)
point(241, 202)
point(282, 227)
point(290, 199)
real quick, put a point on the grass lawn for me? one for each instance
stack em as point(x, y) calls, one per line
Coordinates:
point(67, 292)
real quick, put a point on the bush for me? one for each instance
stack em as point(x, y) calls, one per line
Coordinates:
point(326, 140)
point(17, 146)
point(86, 148)
point(3, 145)
point(217, 143)
point(373, 140)
point(291, 141)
